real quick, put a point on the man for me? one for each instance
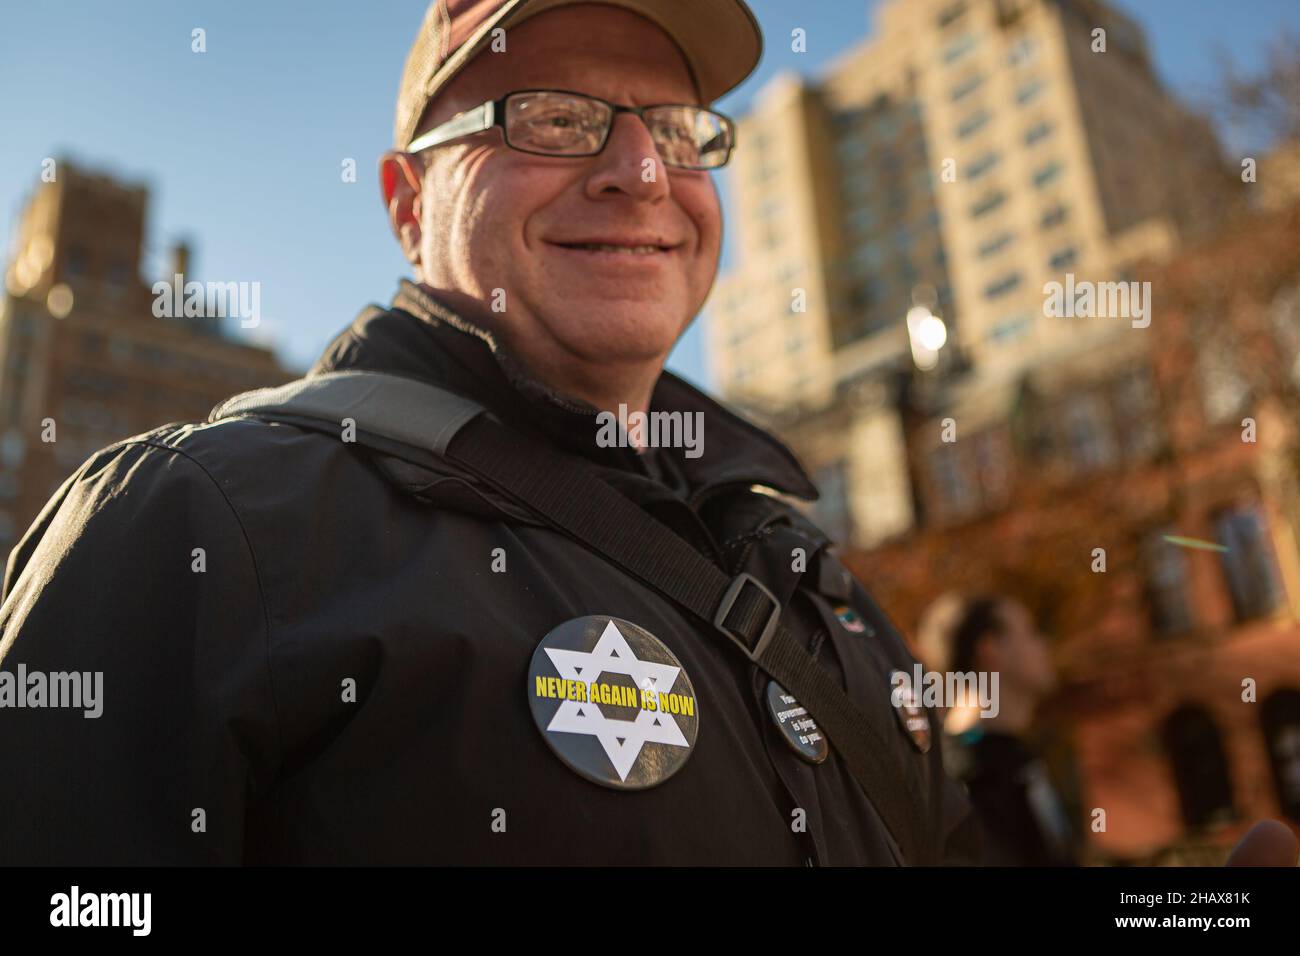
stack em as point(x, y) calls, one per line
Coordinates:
point(1025, 819)
point(320, 650)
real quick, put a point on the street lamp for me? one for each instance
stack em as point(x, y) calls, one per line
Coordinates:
point(927, 335)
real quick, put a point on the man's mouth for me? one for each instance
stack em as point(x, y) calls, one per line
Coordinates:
point(620, 248)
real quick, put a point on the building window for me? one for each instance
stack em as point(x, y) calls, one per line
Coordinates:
point(789, 271)
point(861, 296)
point(1022, 51)
point(1248, 563)
point(972, 124)
point(987, 204)
point(862, 219)
point(1200, 767)
point(996, 244)
point(853, 149)
point(966, 87)
point(1028, 91)
point(869, 257)
point(992, 460)
point(76, 262)
point(1053, 217)
point(981, 166)
point(1000, 287)
point(1009, 329)
point(1091, 443)
point(951, 14)
point(1137, 405)
point(884, 128)
point(1062, 259)
point(958, 48)
point(1037, 132)
point(119, 276)
point(953, 484)
point(1046, 174)
point(1165, 566)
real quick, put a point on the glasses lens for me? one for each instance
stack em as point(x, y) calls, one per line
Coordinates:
point(559, 123)
point(690, 136)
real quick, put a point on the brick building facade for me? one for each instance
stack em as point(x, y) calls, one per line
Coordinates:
point(1180, 706)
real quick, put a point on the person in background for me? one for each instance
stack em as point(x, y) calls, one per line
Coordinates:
point(1025, 816)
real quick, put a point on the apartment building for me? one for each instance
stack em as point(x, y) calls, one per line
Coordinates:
point(84, 361)
point(965, 155)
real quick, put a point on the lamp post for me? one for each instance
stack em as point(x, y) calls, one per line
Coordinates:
point(926, 331)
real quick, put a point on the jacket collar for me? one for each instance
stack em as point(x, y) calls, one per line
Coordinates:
point(421, 337)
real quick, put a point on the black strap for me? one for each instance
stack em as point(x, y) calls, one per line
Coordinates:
point(562, 490)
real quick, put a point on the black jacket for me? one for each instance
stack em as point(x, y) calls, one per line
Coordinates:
point(1025, 819)
point(226, 735)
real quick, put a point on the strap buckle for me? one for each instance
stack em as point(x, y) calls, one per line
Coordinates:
point(759, 643)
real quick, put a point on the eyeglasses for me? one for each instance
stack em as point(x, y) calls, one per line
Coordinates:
point(562, 123)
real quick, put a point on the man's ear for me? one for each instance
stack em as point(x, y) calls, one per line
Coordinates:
point(399, 180)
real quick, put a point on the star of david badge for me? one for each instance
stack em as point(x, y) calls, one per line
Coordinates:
point(613, 702)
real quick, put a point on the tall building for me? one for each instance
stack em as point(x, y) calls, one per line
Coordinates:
point(967, 154)
point(84, 361)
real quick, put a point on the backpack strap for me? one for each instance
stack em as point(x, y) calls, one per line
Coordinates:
point(738, 611)
point(399, 409)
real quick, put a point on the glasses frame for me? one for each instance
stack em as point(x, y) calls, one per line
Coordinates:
point(493, 114)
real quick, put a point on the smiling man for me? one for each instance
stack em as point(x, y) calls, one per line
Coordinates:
point(411, 609)
point(601, 261)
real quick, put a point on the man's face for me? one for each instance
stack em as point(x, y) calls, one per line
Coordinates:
point(1025, 654)
point(492, 218)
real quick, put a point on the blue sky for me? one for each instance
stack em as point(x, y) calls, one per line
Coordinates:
point(242, 146)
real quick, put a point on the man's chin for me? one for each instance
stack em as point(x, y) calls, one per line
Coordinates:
point(616, 330)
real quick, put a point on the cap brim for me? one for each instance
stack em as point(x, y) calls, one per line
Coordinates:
point(720, 39)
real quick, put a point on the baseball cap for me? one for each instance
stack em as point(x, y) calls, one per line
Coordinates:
point(720, 39)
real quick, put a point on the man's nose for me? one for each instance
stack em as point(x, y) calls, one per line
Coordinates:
point(630, 163)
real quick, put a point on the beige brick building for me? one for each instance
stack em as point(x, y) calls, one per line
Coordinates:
point(965, 155)
point(84, 361)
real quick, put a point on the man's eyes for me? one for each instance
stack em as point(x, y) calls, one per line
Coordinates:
point(671, 133)
point(561, 119)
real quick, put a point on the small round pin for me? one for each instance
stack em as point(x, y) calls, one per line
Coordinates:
point(797, 726)
point(911, 715)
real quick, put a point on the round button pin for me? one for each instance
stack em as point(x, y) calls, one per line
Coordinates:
point(613, 702)
point(850, 619)
point(911, 715)
point(796, 724)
